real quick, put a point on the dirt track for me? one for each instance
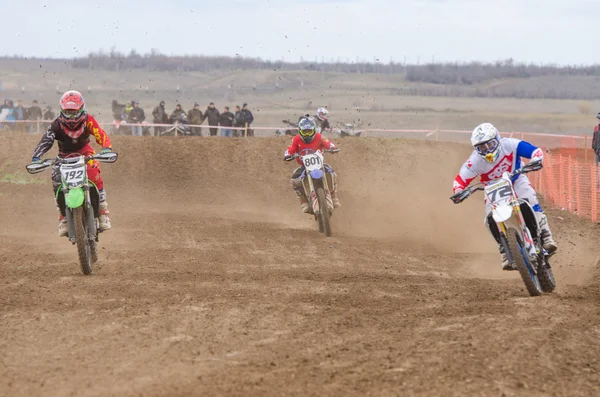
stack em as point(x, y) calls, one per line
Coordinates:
point(213, 283)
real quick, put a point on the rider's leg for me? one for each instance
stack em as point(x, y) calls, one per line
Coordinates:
point(94, 175)
point(525, 191)
point(296, 183)
point(62, 221)
point(333, 187)
point(493, 229)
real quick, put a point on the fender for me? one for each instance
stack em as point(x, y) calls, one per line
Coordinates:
point(75, 197)
point(316, 174)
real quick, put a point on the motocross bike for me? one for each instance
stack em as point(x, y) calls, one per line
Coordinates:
point(349, 130)
point(513, 224)
point(79, 200)
point(293, 130)
point(180, 126)
point(316, 182)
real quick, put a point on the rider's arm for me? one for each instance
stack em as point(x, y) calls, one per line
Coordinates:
point(465, 176)
point(101, 137)
point(529, 151)
point(45, 143)
point(292, 148)
point(327, 144)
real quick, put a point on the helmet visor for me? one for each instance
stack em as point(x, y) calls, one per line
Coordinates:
point(71, 113)
point(307, 133)
point(487, 147)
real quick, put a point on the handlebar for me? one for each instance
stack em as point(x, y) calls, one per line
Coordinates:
point(34, 168)
point(296, 155)
point(463, 195)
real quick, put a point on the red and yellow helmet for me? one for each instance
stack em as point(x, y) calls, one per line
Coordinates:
point(72, 113)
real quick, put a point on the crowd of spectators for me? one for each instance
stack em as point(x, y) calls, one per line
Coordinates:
point(11, 114)
point(134, 117)
point(133, 114)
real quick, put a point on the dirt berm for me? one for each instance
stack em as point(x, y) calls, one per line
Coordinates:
point(212, 282)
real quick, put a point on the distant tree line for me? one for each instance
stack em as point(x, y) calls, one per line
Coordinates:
point(435, 73)
point(477, 72)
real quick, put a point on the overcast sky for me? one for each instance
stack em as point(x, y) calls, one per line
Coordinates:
point(540, 31)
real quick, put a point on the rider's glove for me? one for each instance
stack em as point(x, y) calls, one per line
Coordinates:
point(105, 150)
point(36, 160)
point(287, 158)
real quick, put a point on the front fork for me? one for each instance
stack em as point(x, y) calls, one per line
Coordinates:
point(312, 192)
point(90, 219)
point(525, 233)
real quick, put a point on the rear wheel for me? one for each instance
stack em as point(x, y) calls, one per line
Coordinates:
point(520, 256)
point(83, 243)
point(324, 226)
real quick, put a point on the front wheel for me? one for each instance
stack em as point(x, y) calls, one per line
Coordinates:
point(323, 216)
point(546, 277)
point(521, 259)
point(94, 251)
point(83, 243)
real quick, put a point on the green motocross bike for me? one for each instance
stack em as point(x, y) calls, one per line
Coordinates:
point(79, 198)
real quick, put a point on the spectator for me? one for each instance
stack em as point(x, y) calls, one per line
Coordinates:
point(238, 121)
point(20, 114)
point(10, 117)
point(136, 116)
point(6, 114)
point(226, 120)
point(195, 116)
point(126, 110)
point(49, 114)
point(596, 140)
point(248, 118)
point(34, 113)
point(177, 113)
point(117, 110)
point(212, 114)
point(160, 117)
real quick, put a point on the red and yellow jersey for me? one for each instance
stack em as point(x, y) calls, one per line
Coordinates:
point(66, 144)
point(298, 145)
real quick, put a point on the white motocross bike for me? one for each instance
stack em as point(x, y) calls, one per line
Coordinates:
point(80, 203)
point(316, 181)
point(513, 224)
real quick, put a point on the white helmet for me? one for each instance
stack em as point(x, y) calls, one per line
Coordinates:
point(322, 113)
point(486, 141)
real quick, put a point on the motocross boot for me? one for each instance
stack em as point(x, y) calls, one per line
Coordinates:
point(304, 205)
point(63, 229)
point(547, 240)
point(299, 190)
point(505, 265)
point(333, 190)
point(104, 218)
point(335, 199)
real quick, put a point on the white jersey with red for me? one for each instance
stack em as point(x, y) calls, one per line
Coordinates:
point(509, 159)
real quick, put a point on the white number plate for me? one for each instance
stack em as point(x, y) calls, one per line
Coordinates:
point(313, 161)
point(73, 176)
point(499, 192)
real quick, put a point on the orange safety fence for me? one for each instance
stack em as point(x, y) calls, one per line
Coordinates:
point(568, 183)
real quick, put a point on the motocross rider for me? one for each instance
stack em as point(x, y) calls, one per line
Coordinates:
point(321, 117)
point(309, 138)
point(73, 129)
point(493, 156)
